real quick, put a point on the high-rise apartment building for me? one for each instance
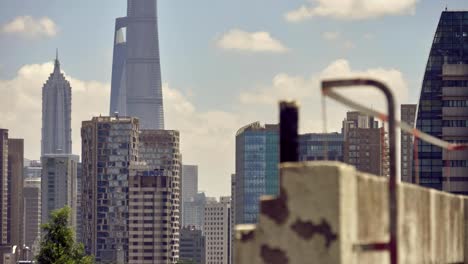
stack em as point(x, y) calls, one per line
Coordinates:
point(32, 203)
point(136, 72)
point(153, 227)
point(189, 190)
point(442, 107)
point(408, 115)
point(15, 191)
point(131, 191)
point(321, 146)
point(192, 245)
point(32, 210)
point(56, 114)
point(189, 181)
point(194, 211)
point(365, 144)
point(218, 231)
point(79, 209)
point(109, 146)
point(160, 151)
point(257, 158)
point(233, 215)
point(4, 186)
point(59, 184)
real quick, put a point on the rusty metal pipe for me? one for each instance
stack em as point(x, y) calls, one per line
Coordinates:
point(392, 189)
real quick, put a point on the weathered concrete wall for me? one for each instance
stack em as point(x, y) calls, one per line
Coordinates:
point(326, 209)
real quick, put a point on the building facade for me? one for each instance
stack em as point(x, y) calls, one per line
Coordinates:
point(59, 184)
point(32, 169)
point(109, 146)
point(15, 191)
point(257, 158)
point(365, 145)
point(32, 211)
point(4, 186)
point(189, 181)
point(136, 72)
point(455, 126)
point(194, 211)
point(192, 245)
point(408, 115)
point(56, 114)
point(218, 231)
point(160, 151)
point(441, 110)
point(151, 223)
point(328, 146)
point(131, 191)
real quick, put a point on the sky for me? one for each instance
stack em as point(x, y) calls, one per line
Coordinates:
point(225, 64)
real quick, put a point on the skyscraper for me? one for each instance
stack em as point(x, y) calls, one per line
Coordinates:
point(130, 191)
point(193, 211)
point(32, 211)
point(365, 145)
point(442, 106)
point(218, 231)
point(408, 112)
point(4, 186)
point(109, 147)
point(160, 150)
point(136, 72)
point(189, 181)
point(59, 184)
point(257, 158)
point(192, 245)
point(15, 191)
point(56, 114)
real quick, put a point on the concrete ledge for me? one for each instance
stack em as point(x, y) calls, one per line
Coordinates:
point(326, 209)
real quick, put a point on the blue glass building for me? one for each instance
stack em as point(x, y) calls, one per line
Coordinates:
point(321, 146)
point(442, 111)
point(257, 158)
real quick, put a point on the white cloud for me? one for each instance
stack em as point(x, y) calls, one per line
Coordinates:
point(21, 105)
point(29, 27)
point(352, 9)
point(307, 91)
point(261, 41)
point(331, 35)
point(207, 138)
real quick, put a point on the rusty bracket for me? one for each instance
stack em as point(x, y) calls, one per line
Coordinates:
point(392, 245)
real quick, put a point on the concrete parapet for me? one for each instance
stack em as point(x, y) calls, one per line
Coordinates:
point(327, 209)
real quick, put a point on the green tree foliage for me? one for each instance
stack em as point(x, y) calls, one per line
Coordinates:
point(58, 245)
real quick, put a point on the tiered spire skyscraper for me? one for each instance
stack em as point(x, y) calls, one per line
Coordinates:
point(136, 73)
point(56, 114)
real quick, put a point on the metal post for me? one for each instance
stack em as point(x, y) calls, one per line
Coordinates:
point(289, 114)
point(392, 245)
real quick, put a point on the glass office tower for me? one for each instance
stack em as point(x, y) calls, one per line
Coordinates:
point(441, 85)
point(257, 158)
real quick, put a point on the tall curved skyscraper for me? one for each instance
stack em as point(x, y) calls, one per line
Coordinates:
point(136, 72)
point(443, 107)
point(56, 114)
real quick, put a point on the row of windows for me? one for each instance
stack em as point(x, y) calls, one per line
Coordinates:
point(456, 103)
point(455, 123)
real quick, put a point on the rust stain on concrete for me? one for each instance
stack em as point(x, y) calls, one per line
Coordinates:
point(307, 230)
point(273, 255)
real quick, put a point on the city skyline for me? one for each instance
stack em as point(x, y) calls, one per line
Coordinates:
point(187, 98)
